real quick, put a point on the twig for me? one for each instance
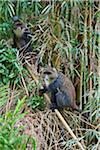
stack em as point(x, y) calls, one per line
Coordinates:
point(58, 113)
point(23, 81)
point(12, 96)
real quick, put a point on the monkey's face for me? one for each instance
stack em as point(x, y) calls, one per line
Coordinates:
point(18, 32)
point(49, 75)
point(47, 80)
point(18, 29)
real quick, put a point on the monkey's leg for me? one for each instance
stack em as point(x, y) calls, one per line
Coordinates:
point(57, 100)
point(62, 100)
point(53, 104)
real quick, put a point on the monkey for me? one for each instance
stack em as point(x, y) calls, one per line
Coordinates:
point(22, 39)
point(61, 88)
point(21, 36)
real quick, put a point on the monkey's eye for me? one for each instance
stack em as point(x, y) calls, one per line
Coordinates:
point(47, 72)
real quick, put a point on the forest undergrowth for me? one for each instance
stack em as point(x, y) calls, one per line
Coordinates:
point(66, 35)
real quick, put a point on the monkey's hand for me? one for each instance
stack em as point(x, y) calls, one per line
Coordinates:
point(53, 106)
point(42, 91)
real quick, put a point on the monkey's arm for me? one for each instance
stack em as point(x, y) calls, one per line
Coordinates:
point(51, 88)
point(27, 37)
point(54, 86)
point(14, 41)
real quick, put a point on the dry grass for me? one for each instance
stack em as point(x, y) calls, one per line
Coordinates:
point(63, 33)
point(47, 130)
point(50, 133)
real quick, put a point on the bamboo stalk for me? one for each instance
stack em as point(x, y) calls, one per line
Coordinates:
point(97, 30)
point(81, 78)
point(85, 49)
point(90, 44)
point(58, 113)
point(71, 37)
point(94, 50)
point(91, 57)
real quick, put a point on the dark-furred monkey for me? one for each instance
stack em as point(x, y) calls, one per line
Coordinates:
point(22, 36)
point(22, 39)
point(61, 88)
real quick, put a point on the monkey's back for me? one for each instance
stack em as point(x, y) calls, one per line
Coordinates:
point(67, 86)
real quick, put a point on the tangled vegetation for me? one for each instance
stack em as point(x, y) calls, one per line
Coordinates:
point(66, 34)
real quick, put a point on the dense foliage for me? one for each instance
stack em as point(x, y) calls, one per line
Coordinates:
point(66, 33)
point(10, 135)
